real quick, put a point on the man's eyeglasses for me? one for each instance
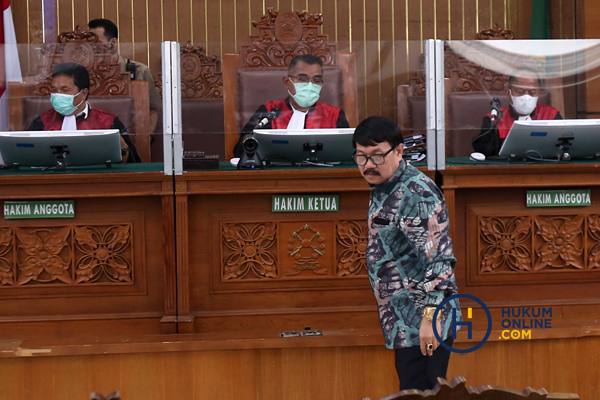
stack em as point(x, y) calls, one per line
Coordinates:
point(317, 80)
point(377, 159)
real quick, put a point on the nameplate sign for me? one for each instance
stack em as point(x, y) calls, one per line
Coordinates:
point(305, 203)
point(559, 198)
point(39, 209)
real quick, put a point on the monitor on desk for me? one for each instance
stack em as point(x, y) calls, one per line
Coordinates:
point(315, 145)
point(38, 148)
point(577, 138)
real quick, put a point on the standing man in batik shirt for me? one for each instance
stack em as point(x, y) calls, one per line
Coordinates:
point(409, 255)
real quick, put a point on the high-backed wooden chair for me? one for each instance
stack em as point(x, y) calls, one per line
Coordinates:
point(110, 89)
point(201, 104)
point(254, 76)
point(469, 90)
point(458, 390)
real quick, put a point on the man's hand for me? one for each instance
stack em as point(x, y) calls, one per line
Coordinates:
point(427, 337)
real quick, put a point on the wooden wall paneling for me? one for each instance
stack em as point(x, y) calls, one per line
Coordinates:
point(339, 373)
point(470, 19)
point(170, 19)
point(400, 61)
point(228, 30)
point(139, 51)
point(497, 14)
point(441, 17)
point(483, 17)
point(214, 29)
point(387, 98)
point(184, 18)
point(169, 321)
point(184, 319)
point(80, 14)
point(428, 18)
point(359, 47)
point(343, 30)
point(372, 57)
point(95, 9)
point(457, 29)
point(126, 30)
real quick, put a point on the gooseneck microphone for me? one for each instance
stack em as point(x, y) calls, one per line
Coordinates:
point(268, 118)
point(495, 103)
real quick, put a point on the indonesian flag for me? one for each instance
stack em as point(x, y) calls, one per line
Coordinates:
point(10, 70)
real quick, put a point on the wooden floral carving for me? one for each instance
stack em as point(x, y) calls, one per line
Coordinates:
point(40, 255)
point(352, 239)
point(559, 242)
point(505, 244)
point(306, 245)
point(70, 255)
point(284, 35)
point(103, 253)
point(83, 48)
point(248, 251)
point(594, 235)
point(7, 276)
point(536, 244)
point(495, 33)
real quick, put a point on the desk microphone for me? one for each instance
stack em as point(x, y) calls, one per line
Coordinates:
point(495, 103)
point(268, 118)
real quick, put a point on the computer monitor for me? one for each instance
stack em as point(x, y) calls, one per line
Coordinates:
point(41, 148)
point(314, 145)
point(554, 139)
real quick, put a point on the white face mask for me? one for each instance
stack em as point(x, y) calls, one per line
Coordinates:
point(523, 105)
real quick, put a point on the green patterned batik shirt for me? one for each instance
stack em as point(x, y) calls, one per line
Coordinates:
point(409, 256)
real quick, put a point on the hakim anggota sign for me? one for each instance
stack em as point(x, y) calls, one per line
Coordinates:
point(559, 198)
point(39, 209)
point(305, 203)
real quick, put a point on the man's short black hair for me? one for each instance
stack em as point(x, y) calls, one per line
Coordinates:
point(517, 72)
point(110, 29)
point(80, 75)
point(375, 130)
point(307, 59)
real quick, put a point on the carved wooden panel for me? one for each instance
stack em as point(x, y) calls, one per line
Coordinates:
point(457, 389)
point(69, 255)
point(538, 244)
point(465, 75)
point(293, 250)
point(83, 48)
point(249, 251)
point(308, 249)
point(352, 240)
point(282, 35)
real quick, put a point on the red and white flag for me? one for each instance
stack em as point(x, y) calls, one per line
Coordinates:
point(10, 69)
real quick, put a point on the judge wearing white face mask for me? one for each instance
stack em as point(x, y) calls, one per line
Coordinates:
point(302, 108)
point(523, 90)
point(71, 112)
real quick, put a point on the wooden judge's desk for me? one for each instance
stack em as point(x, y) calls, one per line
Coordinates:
point(166, 275)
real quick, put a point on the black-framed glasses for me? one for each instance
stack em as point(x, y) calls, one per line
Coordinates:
point(377, 159)
point(317, 80)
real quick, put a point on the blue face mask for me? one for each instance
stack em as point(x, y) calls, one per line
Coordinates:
point(307, 93)
point(63, 103)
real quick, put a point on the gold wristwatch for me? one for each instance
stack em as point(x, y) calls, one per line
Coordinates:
point(429, 311)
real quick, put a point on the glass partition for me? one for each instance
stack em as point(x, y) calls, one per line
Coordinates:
point(124, 93)
point(228, 89)
point(490, 84)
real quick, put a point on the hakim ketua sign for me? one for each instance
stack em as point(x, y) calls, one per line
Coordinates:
point(559, 198)
point(39, 209)
point(305, 203)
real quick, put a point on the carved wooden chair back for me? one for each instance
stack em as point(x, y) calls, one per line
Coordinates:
point(201, 103)
point(131, 106)
point(253, 76)
point(457, 390)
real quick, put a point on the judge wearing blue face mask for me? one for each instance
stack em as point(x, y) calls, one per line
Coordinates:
point(302, 108)
point(70, 110)
point(524, 87)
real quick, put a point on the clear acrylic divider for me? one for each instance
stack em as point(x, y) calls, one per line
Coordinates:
point(520, 80)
